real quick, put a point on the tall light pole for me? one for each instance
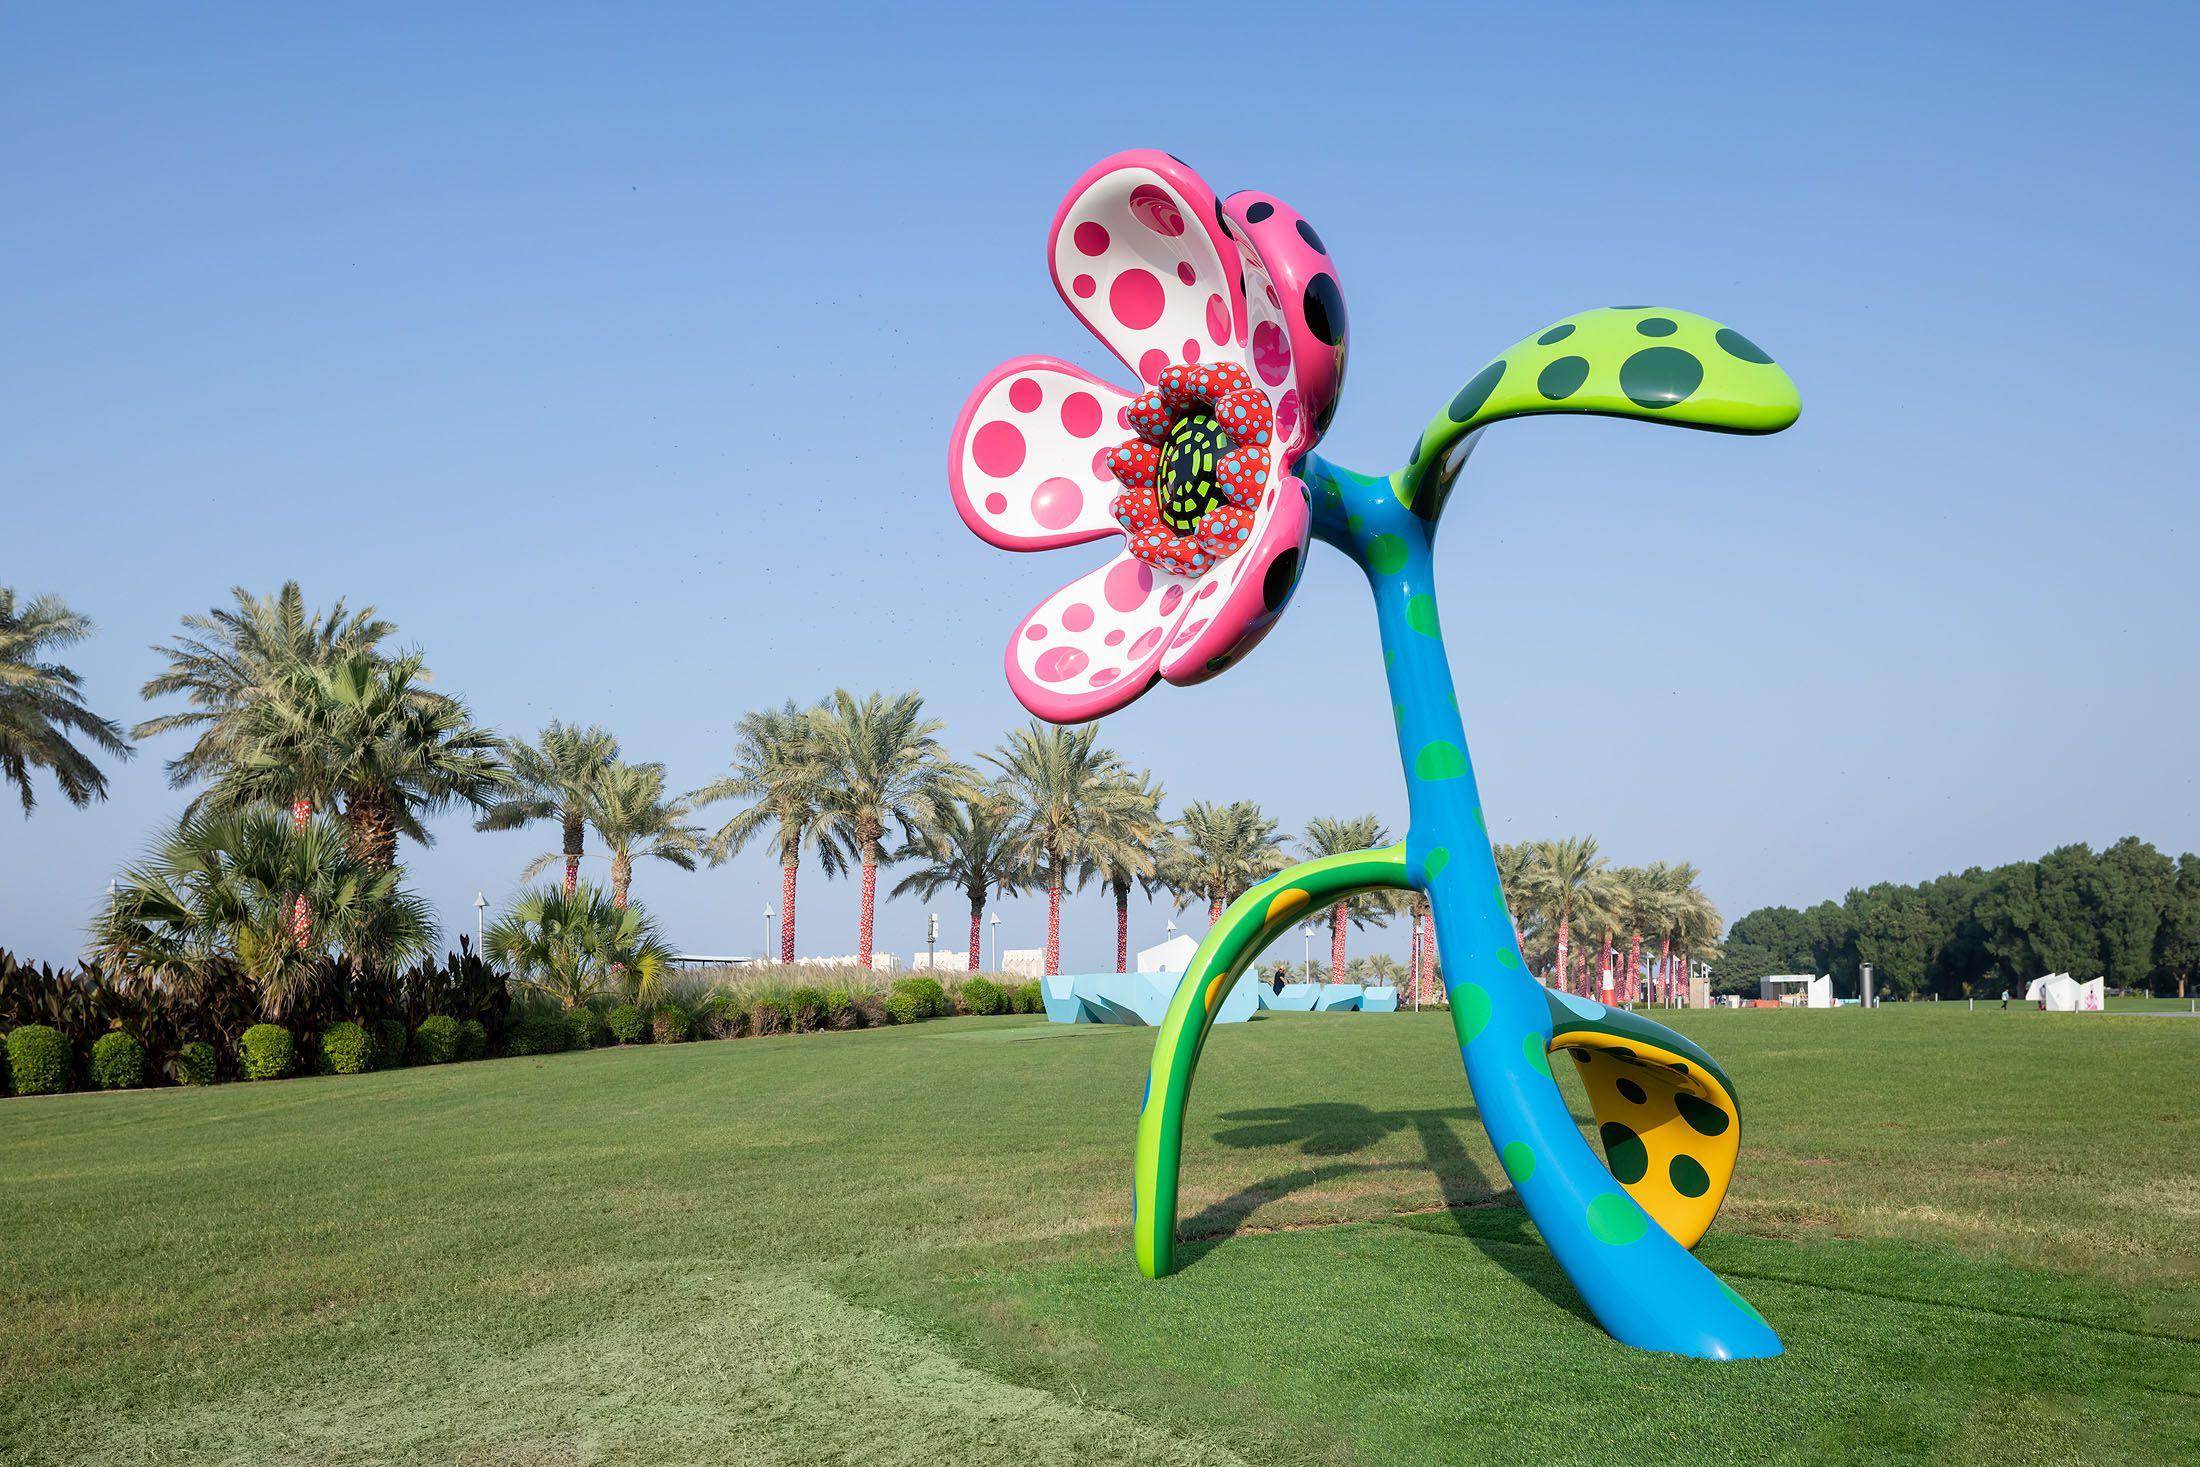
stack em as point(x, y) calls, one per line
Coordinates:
point(481, 907)
point(764, 953)
point(996, 943)
point(931, 939)
point(1306, 955)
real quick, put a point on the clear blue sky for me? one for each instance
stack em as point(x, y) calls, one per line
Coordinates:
point(612, 351)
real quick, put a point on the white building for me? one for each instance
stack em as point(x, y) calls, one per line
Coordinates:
point(1025, 962)
point(880, 962)
point(939, 962)
point(2059, 993)
point(1798, 990)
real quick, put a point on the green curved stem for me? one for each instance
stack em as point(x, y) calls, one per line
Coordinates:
point(1252, 922)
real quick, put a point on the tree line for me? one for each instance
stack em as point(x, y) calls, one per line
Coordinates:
point(2127, 913)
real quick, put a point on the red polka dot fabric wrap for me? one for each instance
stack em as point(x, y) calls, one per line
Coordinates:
point(1231, 319)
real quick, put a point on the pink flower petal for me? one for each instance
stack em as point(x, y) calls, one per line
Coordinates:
point(1144, 229)
point(1022, 474)
point(1240, 599)
point(1100, 641)
point(1296, 286)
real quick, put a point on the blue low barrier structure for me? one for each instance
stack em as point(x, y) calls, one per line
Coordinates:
point(1143, 998)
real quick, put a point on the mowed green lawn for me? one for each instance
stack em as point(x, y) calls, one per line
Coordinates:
point(1979, 1234)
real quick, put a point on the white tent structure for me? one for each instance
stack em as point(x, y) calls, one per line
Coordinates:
point(1798, 990)
point(2059, 993)
point(1173, 956)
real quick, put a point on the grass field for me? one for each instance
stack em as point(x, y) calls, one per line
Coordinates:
point(1979, 1234)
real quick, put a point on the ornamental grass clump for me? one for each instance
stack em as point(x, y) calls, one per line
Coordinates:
point(38, 1060)
point(264, 1053)
point(118, 1062)
point(346, 1050)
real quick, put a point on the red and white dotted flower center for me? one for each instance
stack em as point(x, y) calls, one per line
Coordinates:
point(1194, 477)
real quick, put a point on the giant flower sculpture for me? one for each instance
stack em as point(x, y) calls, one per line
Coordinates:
point(1229, 313)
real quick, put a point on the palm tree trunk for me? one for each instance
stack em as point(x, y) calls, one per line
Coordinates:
point(1665, 975)
point(786, 912)
point(622, 877)
point(1054, 918)
point(576, 831)
point(301, 917)
point(977, 911)
point(1608, 965)
point(1634, 965)
point(870, 898)
point(1336, 943)
point(1563, 936)
point(1122, 927)
point(1214, 909)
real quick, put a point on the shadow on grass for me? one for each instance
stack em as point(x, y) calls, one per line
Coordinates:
point(1332, 1132)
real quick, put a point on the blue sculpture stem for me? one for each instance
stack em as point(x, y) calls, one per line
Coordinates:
point(1641, 1285)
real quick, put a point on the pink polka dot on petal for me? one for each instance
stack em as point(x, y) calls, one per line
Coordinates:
point(1154, 208)
point(1271, 353)
point(1171, 599)
point(1189, 632)
point(1100, 469)
point(1207, 590)
point(1218, 319)
point(1091, 238)
point(1081, 415)
point(1127, 586)
point(1114, 638)
point(1104, 676)
point(1024, 395)
point(1077, 616)
point(1185, 272)
point(1035, 633)
point(1083, 287)
point(1148, 642)
point(996, 504)
point(1153, 364)
point(1137, 298)
point(1058, 664)
point(998, 449)
point(1056, 504)
point(1191, 350)
point(1287, 415)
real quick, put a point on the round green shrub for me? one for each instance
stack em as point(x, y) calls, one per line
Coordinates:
point(473, 1040)
point(583, 1030)
point(806, 1009)
point(195, 1063)
point(769, 1016)
point(983, 996)
point(4, 1081)
point(346, 1050)
point(721, 1016)
point(628, 1025)
point(435, 1042)
point(118, 1062)
point(1033, 998)
point(841, 1011)
point(935, 997)
point(537, 1031)
point(389, 1044)
point(904, 1004)
point(871, 1011)
point(38, 1060)
point(670, 1024)
point(264, 1052)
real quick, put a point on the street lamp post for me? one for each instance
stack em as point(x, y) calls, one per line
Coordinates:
point(996, 942)
point(765, 952)
point(931, 940)
point(481, 907)
point(1306, 953)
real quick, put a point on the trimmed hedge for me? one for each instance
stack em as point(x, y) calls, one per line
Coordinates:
point(583, 1030)
point(118, 1062)
point(911, 999)
point(473, 1040)
point(38, 1060)
point(537, 1032)
point(841, 1011)
point(628, 1025)
point(389, 1049)
point(983, 996)
point(670, 1024)
point(195, 1063)
point(806, 1009)
point(435, 1042)
point(346, 1050)
point(1032, 997)
point(264, 1053)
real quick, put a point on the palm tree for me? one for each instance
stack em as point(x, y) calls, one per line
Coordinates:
point(1696, 926)
point(1566, 878)
point(228, 660)
point(1329, 837)
point(627, 805)
point(40, 707)
point(1217, 851)
point(966, 844)
point(220, 892)
point(554, 777)
point(574, 945)
point(1639, 905)
point(1513, 861)
point(364, 733)
point(882, 767)
point(778, 773)
point(1063, 787)
point(1121, 850)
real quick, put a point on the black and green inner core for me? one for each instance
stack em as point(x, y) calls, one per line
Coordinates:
point(1187, 487)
